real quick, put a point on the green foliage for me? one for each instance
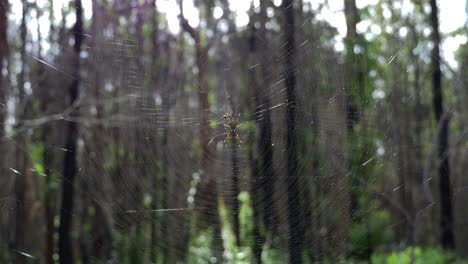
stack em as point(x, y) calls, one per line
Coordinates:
point(373, 231)
point(417, 255)
point(213, 123)
point(273, 256)
point(233, 254)
point(37, 157)
point(131, 247)
point(200, 248)
point(201, 245)
point(211, 98)
point(246, 125)
point(246, 219)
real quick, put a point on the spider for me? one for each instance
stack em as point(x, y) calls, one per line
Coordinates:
point(231, 126)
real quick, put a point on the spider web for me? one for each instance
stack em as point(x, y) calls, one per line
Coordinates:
point(149, 157)
point(142, 113)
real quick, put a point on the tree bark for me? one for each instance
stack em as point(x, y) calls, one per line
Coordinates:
point(355, 82)
point(255, 175)
point(155, 54)
point(70, 161)
point(294, 205)
point(102, 222)
point(235, 185)
point(211, 184)
point(265, 149)
point(25, 187)
point(352, 112)
point(4, 231)
point(446, 218)
point(3, 53)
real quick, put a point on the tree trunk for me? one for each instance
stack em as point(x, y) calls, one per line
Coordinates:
point(352, 112)
point(210, 184)
point(235, 184)
point(294, 205)
point(4, 230)
point(3, 54)
point(355, 82)
point(265, 149)
point(26, 235)
point(446, 218)
point(49, 202)
point(102, 222)
point(70, 161)
point(255, 176)
point(155, 54)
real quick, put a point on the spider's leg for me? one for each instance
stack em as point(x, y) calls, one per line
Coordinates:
point(238, 138)
point(228, 137)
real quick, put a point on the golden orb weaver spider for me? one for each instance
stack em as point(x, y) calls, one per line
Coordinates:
point(232, 124)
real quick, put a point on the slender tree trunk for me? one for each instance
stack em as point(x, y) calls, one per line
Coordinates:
point(4, 231)
point(3, 54)
point(254, 193)
point(165, 184)
point(49, 203)
point(201, 55)
point(357, 144)
point(235, 185)
point(265, 149)
point(70, 162)
point(446, 218)
point(25, 188)
point(294, 205)
point(102, 222)
point(255, 176)
point(211, 185)
point(155, 54)
point(352, 113)
point(20, 182)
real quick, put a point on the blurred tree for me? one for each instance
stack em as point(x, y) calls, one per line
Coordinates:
point(265, 139)
point(103, 222)
point(211, 183)
point(255, 176)
point(3, 55)
point(70, 161)
point(446, 218)
point(27, 215)
point(294, 204)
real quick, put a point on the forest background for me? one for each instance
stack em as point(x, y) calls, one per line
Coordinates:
point(222, 131)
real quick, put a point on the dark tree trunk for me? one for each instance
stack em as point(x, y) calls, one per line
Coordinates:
point(20, 181)
point(102, 221)
point(446, 218)
point(235, 185)
point(70, 161)
point(210, 185)
point(25, 188)
point(265, 149)
point(201, 55)
point(3, 52)
point(48, 200)
point(49, 203)
point(4, 230)
point(294, 205)
point(165, 246)
point(255, 176)
point(254, 191)
point(154, 178)
point(352, 113)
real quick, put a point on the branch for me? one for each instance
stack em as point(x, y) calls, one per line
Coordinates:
point(189, 29)
point(186, 26)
